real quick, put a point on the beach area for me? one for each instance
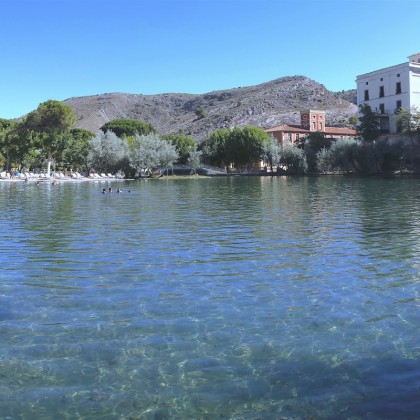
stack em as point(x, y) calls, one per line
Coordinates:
point(55, 177)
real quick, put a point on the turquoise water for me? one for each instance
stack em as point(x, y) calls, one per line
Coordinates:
point(235, 298)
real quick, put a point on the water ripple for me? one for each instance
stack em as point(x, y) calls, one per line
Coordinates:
point(211, 298)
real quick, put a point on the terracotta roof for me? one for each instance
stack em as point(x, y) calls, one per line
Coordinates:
point(288, 128)
point(340, 131)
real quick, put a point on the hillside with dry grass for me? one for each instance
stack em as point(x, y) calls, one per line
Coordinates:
point(264, 105)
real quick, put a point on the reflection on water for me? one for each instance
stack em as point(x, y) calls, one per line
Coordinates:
point(211, 298)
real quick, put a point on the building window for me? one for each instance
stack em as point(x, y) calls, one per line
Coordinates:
point(381, 92)
point(289, 136)
point(366, 83)
point(398, 106)
point(366, 95)
point(382, 108)
point(321, 126)
point(314, 125)
point(398, 88)
point(382, 79)
point(398, 74)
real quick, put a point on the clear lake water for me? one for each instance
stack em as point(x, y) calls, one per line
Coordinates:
point(211, 298)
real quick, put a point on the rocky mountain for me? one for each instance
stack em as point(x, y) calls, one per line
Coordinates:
point(264, 105)
point(348, 95)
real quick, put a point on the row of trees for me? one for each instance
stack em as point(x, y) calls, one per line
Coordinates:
point(352, 155)
point(46, 135)
point(134, 147)
point(142, 154)
point(243, 147)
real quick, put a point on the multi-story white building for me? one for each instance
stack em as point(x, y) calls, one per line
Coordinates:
point(390, 89)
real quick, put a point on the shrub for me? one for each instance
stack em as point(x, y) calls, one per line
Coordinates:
point(325, 160)
point(150, 151)
point(293, 159)
point(107, 153)
point(342, 151)
point(312, 145)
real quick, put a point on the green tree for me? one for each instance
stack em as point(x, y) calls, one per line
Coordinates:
point(353, 121)
point(349, 155)
point(314, 142)
point(5, 127)
point(107, 152)
point(293, 159)
point(123, 127)
point(317, 141)
point(239, 146)
point(342, 154)
point(17, 144)
point(271, 152)
point(246, 146)
point(201, 113)
point(324, 160)
point(76, 148)
point(369, 123)
point(51, 121)
point(183, 145)
point(194, 158)
point(408, 122)
point(214, 147)
point(150, 151)
point(25, 147)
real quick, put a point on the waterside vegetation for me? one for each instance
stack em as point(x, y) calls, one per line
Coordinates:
point(46, 139)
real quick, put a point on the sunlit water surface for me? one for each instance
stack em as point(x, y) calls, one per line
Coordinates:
point(242, 298)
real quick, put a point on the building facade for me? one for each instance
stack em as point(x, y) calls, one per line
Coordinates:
point(389, 89)
point(311, 121)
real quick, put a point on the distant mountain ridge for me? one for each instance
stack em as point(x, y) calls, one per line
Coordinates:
point(264, 105)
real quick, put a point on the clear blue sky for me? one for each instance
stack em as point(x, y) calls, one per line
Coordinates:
point(57, 49)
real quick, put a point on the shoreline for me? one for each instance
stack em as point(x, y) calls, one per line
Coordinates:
point(52, 180)
point(60, 180)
